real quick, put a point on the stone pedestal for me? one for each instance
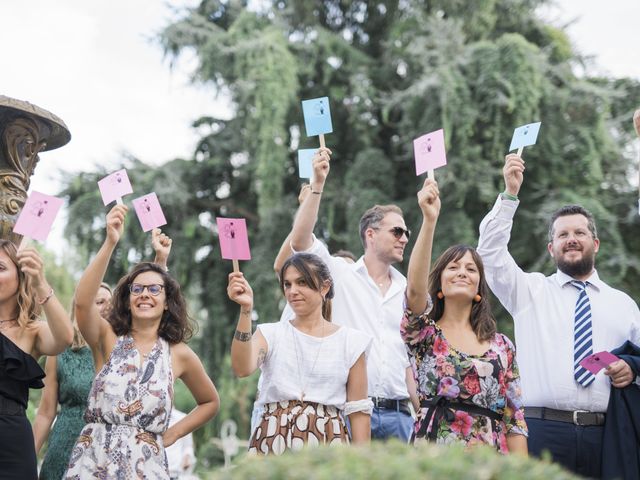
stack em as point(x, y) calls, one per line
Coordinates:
point(25, 131)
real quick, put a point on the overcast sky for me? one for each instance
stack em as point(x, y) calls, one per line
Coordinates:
point(94, 63)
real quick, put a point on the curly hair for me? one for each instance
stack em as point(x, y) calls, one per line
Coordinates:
point(27, 308)
point(175, 326)
point(482, 321)
point(315, 273)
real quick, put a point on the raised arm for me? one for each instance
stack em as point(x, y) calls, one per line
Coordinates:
point(506, 279)
point(48, 404)
point(247, 351)
point(420, 261)
point(305, 221)
point(96, 330)
point(56, 334)
point(161, 244)
point(285, 249)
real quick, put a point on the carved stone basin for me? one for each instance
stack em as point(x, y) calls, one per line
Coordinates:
point(25, 131)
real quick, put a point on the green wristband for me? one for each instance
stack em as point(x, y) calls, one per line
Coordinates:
point(507, 196)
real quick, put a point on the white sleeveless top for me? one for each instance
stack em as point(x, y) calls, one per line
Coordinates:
point(297, 363)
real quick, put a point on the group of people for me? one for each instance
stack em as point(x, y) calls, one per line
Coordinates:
point(359, 351)
point(358, 344)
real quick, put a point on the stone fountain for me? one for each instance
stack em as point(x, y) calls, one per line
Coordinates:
point(25, 131)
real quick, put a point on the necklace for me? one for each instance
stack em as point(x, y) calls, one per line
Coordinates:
point(310, 372)
point(8, 320)
point(385, 281)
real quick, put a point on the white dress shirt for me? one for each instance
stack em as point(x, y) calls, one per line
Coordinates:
point(543, 311)
point(358, 303)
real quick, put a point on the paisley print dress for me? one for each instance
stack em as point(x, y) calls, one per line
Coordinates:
point(128, 411)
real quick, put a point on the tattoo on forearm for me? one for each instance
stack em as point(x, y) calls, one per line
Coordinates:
point(261, 355)
point(242, 336)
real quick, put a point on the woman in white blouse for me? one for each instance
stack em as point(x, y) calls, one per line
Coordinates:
point(314, 371)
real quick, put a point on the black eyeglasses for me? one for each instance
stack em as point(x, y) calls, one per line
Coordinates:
point(153, 289)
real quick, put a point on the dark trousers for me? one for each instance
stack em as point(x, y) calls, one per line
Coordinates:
point(576, 448)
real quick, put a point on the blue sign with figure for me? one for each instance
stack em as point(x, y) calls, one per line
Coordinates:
point(317, 116)
point(525, 135)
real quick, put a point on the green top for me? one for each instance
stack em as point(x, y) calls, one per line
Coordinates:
point(75, 372)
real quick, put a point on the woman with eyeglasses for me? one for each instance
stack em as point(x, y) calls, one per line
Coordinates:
point(138, 354)
point(24, 338)
point(466, 373)
point(68, 382)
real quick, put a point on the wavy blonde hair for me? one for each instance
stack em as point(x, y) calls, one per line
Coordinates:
point(27, 308)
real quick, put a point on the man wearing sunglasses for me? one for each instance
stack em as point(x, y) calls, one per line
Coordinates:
point(369, 296)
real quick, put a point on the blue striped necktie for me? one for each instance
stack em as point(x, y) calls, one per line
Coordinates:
point(582, 333)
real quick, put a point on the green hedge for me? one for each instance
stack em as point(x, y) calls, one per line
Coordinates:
point(392, 460)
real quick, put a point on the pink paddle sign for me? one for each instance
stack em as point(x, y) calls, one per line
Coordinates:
point(149, 212)
point(115, 186)
point(597, 361)
point(429, 151)
point(234, 241)
point(37, 216)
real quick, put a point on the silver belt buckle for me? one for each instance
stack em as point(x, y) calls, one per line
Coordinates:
point(575, 416)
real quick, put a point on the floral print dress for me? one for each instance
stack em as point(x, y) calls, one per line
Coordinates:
point(454, 380)
point(128, 411)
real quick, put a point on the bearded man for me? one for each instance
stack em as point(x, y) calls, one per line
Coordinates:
point(559, 320)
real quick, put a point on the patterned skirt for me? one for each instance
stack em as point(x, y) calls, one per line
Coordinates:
point(290, 425)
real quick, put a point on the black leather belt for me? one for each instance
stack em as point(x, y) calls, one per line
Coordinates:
point(441, 407)
point(10, 407)
point(577, 417)
point(389, 404)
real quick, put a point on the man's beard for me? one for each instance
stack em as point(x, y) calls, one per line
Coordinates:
point(578, 268)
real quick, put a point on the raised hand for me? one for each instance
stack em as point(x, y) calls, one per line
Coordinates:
point(115, 222)
point(31, 264)
point(161, 244)
point(239, 290)
point(429, 200)
point(321, 167)
point(513, 173)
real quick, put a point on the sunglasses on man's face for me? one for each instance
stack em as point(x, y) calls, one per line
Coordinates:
point(153, 289)
point(399, 231)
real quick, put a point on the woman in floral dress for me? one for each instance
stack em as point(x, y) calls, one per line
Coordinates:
point(466, 373)
point(138, 353)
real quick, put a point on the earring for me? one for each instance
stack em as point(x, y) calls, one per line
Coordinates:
point(477, 298)
point(440, 295)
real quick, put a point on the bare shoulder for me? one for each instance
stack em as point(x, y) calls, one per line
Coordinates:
point(182, 358)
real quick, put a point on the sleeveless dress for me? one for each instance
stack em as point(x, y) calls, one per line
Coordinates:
point(19, 372)
point(128, 411)
point(75, 371)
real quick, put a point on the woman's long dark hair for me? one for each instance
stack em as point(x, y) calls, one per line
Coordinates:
point(175, 326)
point(482, 321)
point(315, 272)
